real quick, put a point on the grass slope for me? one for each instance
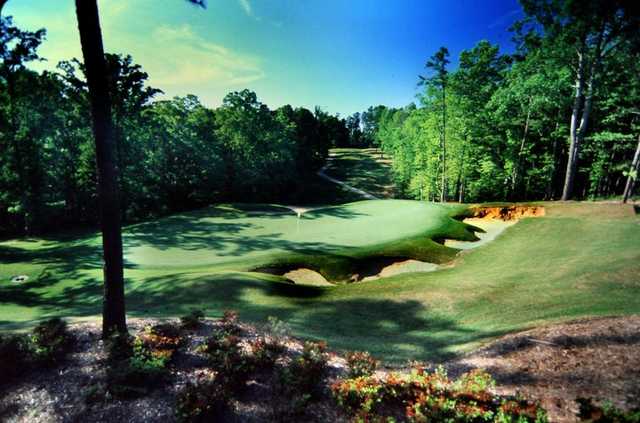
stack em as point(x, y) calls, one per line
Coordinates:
point(363, 168)
point(579, 260)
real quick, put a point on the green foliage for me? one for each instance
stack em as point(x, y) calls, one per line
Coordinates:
point(606, 413)
point(423, 396)
point(360, 363)
point(172, 154)
point(298, 383)
point(227, 357)
point(205, 400)
point(192, 320)
point(51, 341)
point(137, 365)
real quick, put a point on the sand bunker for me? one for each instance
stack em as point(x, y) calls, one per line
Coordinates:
point(507, 212)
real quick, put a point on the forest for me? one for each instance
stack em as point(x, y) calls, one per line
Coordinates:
point(172, 155)
point(558, 118)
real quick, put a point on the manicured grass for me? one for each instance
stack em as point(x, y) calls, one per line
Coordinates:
point(363, 168)
point(579, 260)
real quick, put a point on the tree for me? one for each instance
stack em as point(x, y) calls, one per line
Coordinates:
point(438, 63)
point(113, 314)
point(593, 31)
point(632, 174)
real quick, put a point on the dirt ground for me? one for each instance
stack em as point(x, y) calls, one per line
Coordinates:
point(591, 358)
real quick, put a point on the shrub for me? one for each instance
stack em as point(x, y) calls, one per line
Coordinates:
point(265, 352)
point(423, 396)
point(193, 320)
point(607, 413)
point(297, 383)
point(161, 340)
point(138, 365)
point(14, 356)
point(278, 330)
point(230, 322)
point(227, 357)
point(361, 364)
point(206, 400)
point(51, 341)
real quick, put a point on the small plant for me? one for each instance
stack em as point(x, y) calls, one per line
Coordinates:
point(297, 384)
point(229, 322)
point(360, 363)
point(278, 330)
point(161, 340)
point(423, 397)
point(265, 352)
point(193, 320)
point(139, 364)
point(51, 341)
point(607, 413)
point(206, 400)
point(14, 356)
point(228, 358)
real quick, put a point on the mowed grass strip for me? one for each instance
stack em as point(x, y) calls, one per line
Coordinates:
point(367, 169)
point(572, 263)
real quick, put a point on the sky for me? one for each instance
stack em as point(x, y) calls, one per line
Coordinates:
point(341, 55)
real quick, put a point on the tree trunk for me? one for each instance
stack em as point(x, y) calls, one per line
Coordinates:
point(573, 147)
point(518, 164)
point(113, 314)
point(443, 197)
point(577, 136)
point(631, 178)
point(2, 3)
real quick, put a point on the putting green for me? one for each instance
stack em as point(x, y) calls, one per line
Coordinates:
point(579, 260)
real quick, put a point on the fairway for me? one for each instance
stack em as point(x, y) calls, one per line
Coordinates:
point(579, 260)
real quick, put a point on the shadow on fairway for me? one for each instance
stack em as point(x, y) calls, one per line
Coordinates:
point(386, 328)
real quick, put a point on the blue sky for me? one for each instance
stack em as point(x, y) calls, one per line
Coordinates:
point(342, 55)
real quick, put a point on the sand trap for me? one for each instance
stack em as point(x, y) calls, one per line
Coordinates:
point(492, 228)
point(306, 277)
point(406, 266)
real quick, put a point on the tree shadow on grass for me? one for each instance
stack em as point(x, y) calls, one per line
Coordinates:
point(391, 330)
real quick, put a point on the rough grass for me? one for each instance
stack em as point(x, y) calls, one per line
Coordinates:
point(579, 260)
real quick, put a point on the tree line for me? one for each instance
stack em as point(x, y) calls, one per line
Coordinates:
point(557, 119)
point(172, 155)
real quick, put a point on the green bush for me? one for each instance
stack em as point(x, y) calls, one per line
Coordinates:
point(296, 384)
point(265, 352)
point(193, 320)
point(229, 322)
point(360, 363)
point(226, 356)
point(206, 400)
point(422, 397)
point(51, 341)
point(137, 365)
point(607, 413)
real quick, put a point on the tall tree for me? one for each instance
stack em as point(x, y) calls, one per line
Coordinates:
point(593, 30)
point(438, 64)
point(113, 313)
point(632, 174)
point(113, 317)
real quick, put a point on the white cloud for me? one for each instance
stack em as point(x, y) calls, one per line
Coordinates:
point(185, 58)
point(246, 6)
